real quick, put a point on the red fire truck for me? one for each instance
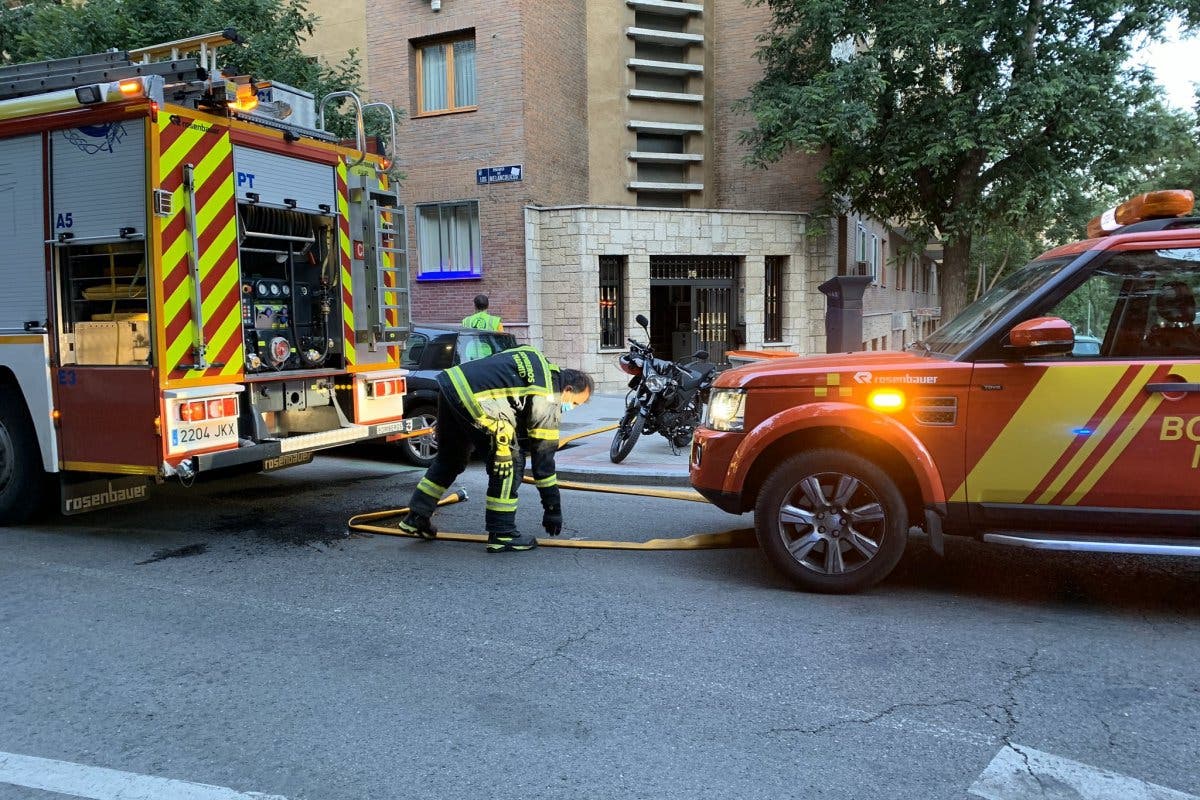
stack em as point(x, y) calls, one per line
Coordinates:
point(1060, 411)
point(198, 274)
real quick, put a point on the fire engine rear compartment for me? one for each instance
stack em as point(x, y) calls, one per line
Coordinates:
point(139, 379)
point(106, 387)
point(184, 262)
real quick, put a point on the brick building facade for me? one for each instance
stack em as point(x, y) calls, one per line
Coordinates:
point(633, 195)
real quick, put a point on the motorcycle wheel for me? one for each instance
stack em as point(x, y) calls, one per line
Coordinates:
point(626, 436)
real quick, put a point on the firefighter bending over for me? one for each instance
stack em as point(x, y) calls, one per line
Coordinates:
point(507, 404)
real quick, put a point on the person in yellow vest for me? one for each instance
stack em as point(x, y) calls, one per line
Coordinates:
point(505, 405)
point(481, 320)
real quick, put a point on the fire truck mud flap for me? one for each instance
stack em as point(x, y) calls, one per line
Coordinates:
point(83, 493)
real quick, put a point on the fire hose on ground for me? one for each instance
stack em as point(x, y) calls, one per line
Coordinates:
point(373, 521)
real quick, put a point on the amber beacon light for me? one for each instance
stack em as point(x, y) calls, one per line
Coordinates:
point(1162, 204)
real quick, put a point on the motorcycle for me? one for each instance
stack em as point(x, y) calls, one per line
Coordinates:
point(665, 397)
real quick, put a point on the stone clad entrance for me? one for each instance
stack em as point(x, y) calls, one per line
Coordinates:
point(701, 277)
point(693, 306)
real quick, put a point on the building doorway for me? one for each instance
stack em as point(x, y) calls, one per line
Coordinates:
point(693, 306)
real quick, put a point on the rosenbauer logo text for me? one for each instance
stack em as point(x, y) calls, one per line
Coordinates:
point(867, 377)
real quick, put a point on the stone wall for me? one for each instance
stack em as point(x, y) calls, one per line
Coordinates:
point(563, 246)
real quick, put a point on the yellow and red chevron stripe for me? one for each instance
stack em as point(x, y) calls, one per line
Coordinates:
point(207, 148)
point(1068, 461)
point(344, 245)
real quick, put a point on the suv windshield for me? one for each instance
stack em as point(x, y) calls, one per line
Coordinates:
point(952, 337)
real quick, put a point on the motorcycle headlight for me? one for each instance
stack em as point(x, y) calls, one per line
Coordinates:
point(656, 383)
point(726, 410)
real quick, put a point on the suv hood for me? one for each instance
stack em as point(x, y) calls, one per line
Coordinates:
point(787, 372)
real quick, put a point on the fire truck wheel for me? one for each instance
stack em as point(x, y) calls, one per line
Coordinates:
point(420, 450)
point(832, 521)
point(22, 480)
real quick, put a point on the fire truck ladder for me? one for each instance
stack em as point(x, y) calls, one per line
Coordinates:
point(21, 80)
point(387, 283)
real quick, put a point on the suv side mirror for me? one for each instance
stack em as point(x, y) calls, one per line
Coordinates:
point(1043, 336)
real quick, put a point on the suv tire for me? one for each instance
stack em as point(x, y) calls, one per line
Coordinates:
point(832, 521)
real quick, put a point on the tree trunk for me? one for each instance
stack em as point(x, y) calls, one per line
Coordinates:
point(952, 277)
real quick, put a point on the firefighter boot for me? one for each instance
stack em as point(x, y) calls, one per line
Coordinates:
point(514, 541)
point(418, 525)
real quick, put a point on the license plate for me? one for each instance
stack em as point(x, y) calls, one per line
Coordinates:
point(399, 426)
point(286, 460)
point(203, 435)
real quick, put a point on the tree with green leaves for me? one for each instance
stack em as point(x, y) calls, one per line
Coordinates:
point(273, 31)
point(961, 118)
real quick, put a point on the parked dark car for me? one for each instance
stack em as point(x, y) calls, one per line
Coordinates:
point(431, 349)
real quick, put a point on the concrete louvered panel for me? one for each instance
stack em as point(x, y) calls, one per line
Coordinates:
point(22, 260)
point(99, 180)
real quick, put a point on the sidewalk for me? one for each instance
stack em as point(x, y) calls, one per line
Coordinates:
point(650, 463)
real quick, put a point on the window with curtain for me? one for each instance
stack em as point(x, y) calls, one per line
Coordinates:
point(773, 298)
point(448, 241)
point(446, 76)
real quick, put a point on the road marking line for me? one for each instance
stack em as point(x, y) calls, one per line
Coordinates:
point(1018, 773)
point(99, 783)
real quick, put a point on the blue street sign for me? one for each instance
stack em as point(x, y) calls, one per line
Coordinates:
point(507, 174)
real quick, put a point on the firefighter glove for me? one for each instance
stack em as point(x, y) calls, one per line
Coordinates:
point(502, 462)
point(552, 520)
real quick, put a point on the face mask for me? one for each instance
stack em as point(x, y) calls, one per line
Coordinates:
point(565, 406)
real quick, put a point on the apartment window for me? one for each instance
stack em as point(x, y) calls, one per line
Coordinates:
point(662, 199)
point(874, 258)
point(612, 302)
point(861, 254)
point(773, 292)
point(446, 76)
point(448, 241)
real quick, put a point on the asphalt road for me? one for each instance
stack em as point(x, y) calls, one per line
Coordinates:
point(231, 634)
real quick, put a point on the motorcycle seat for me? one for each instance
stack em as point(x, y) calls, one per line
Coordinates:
point(695, 374)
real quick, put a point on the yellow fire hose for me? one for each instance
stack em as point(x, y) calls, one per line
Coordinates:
point(368, 522)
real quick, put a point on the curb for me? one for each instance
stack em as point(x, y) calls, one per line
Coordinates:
point(624, 476)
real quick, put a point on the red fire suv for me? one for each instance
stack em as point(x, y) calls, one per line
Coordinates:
point(1010, 423)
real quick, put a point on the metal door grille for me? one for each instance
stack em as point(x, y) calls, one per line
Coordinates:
point(713, 284)
point(692, 269)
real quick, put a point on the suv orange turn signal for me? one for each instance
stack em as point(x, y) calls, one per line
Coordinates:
point(888, 401)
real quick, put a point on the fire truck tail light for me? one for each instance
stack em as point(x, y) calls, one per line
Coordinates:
point(386, 388)
point(229, 407)
point(889, 401)
point(1162, 204)
point(192, 412)
point(216, 408)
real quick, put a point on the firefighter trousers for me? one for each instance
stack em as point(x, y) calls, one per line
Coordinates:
point(456, 440)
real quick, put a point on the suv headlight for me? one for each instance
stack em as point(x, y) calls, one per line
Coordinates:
point(726, 410)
